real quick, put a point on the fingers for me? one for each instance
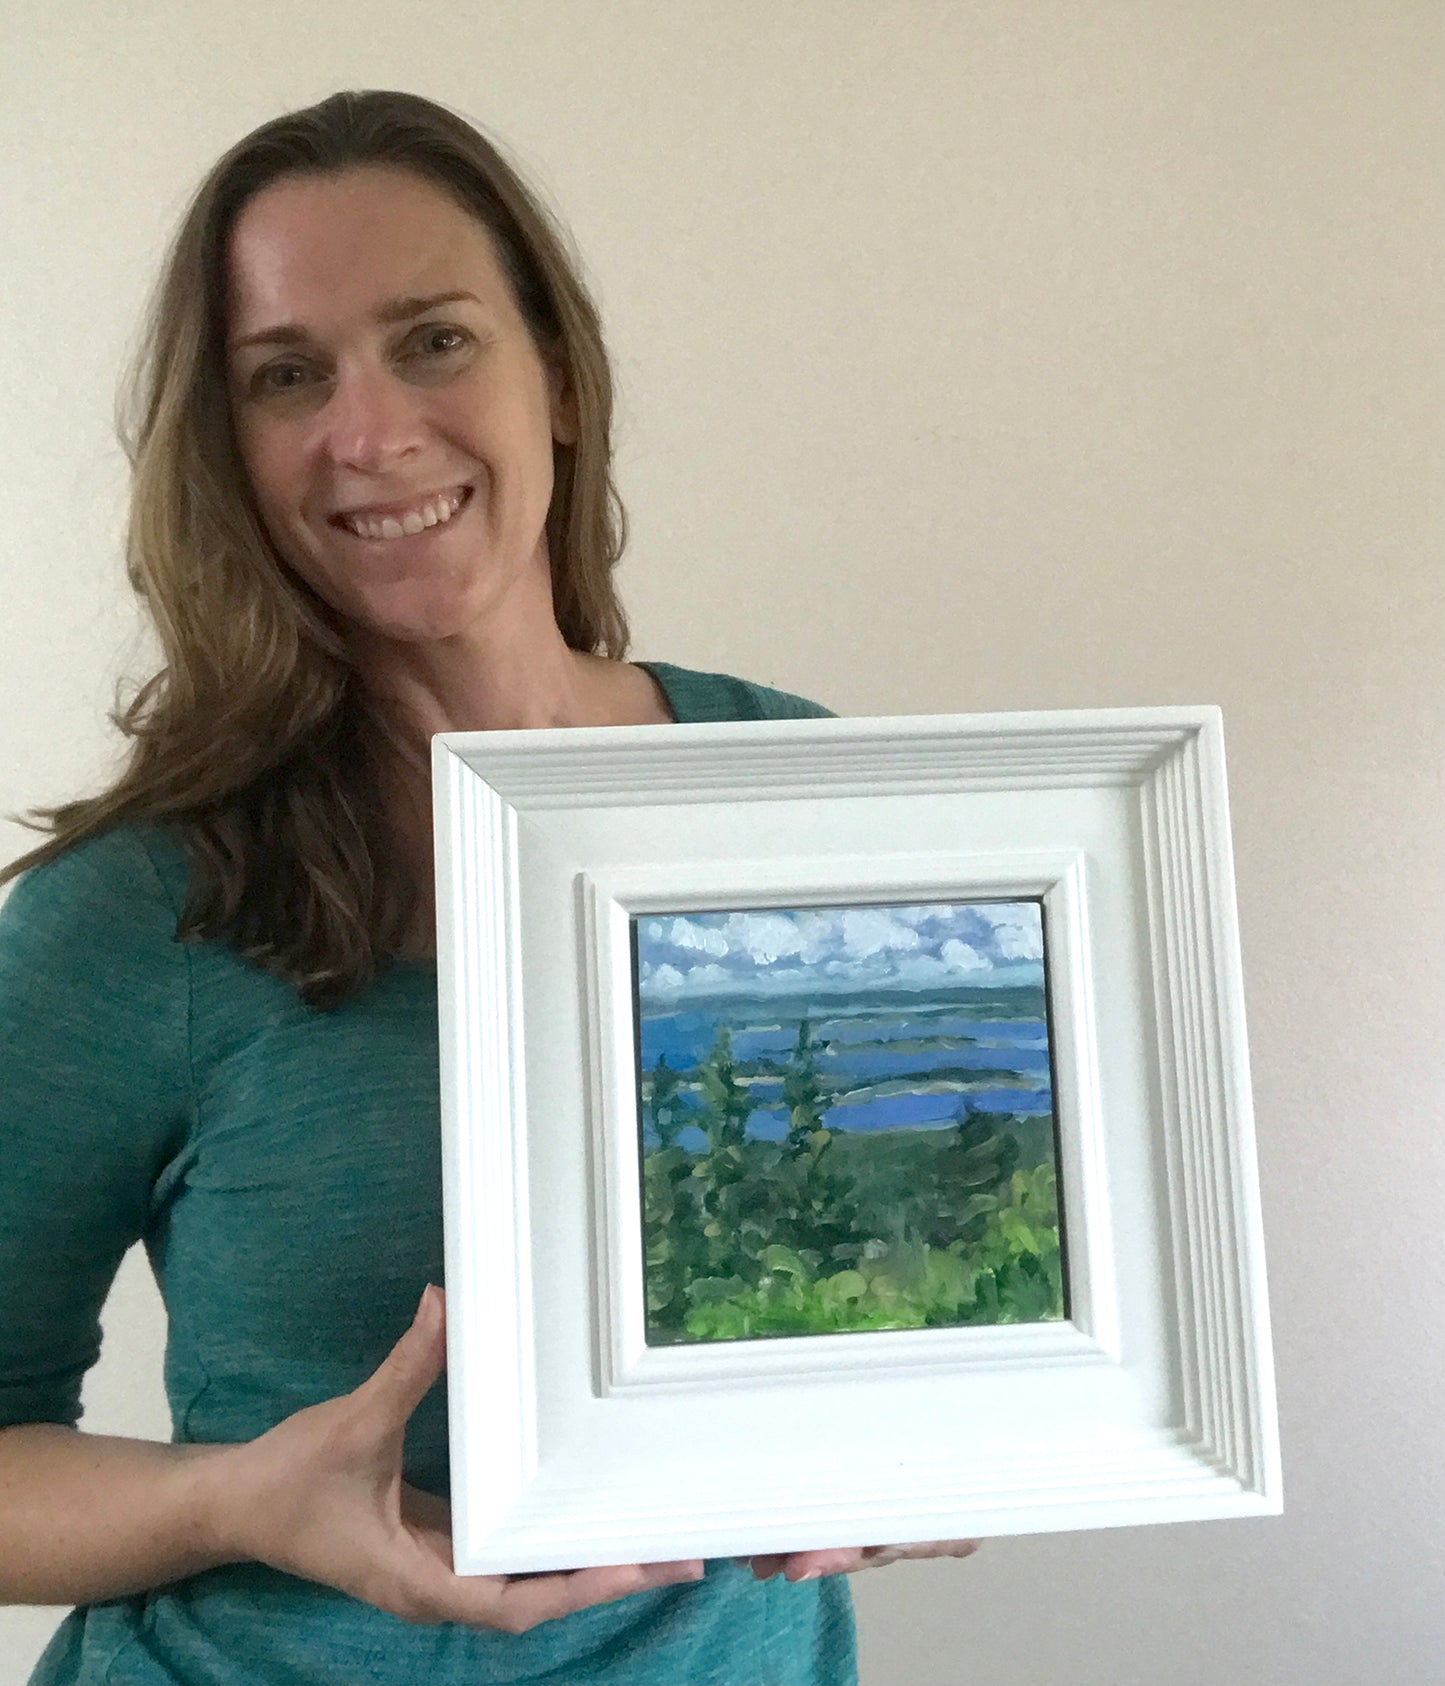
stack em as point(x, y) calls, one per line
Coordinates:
point(809, 1565)
point(513, 1604)
point(930, 1548)
point(545, 1597)
point(429, 1590)
point(408, 1372)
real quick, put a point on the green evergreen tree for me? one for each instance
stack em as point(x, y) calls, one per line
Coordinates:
point(803, 1090)
point(818, 1212)
point(665, 1102)
point(725, 1101)
point(720, 1193)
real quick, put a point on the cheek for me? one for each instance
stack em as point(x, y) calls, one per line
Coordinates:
point(270, 467)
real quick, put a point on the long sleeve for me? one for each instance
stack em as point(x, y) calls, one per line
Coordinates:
point(94, 1096)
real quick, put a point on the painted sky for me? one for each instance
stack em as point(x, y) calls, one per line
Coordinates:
point(836, 950)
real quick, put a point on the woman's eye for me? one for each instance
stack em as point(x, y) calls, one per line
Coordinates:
point(437, 341)
point(280, 377)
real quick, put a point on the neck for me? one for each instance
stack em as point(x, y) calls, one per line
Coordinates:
point(475, 684)
point(498, 676)
point(511, 670)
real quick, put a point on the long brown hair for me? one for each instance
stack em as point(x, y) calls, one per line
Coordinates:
point(255, 742)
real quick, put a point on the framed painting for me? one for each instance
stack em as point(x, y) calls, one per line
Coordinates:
point(847, 1136)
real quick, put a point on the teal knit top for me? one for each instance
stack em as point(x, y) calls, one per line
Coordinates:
point(282, 1166)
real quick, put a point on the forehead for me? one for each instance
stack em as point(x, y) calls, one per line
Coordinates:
point(325, 249)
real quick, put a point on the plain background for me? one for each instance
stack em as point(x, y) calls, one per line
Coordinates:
point(1008, 354)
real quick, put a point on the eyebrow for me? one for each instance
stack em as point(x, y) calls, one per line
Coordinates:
point(395, 310)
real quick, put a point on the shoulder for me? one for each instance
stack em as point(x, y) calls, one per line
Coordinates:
point(697, 696)
point(110, 893)
point(95, 1004)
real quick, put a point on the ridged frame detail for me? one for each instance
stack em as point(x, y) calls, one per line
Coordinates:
point(499, 793)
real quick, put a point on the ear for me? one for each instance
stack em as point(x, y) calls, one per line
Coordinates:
point(562, 404)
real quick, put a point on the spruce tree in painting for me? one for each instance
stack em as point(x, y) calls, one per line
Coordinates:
point(725, 1100)
point(802, 1089)
point(668, 1113)
point(819, 1210)
point(721, 1193)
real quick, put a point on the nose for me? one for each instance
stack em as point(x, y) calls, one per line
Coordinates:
point(372, 421)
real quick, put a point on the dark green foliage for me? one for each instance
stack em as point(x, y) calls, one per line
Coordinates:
point(802, 1088)
point(965, 1181)
point(817, 1214)
point(668, 1113)
point(828, 1232)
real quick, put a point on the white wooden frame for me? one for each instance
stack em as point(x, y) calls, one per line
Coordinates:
point(573, 1442)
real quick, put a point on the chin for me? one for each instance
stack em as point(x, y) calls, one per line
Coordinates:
point(426, 607)
point(412, 623)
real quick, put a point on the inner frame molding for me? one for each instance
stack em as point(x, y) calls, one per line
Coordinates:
point(610, 902)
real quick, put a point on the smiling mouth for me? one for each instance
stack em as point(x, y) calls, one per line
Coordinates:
point(435, 511)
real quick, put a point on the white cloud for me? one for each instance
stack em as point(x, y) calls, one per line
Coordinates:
point(962, 957)
point(704, 939)
point(778, 951)
point(817, 933)
point(913, 917)
point(872, 930)
point(764, 937)
point(1019, 933)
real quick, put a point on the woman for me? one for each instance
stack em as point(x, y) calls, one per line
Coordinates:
point(371, 502)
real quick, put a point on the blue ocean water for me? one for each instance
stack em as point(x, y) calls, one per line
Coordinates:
point(927, 1077)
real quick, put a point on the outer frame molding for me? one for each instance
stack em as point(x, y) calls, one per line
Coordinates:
point(573, 1442)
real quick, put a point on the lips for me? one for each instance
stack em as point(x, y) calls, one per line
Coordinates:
point(385, 523)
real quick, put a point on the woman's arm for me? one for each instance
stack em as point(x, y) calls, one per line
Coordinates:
point(85, 1517)
point(321, 1496)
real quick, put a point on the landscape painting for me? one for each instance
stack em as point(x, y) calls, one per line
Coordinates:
point(846, 1120)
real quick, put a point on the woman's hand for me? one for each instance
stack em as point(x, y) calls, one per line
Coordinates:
point(321, 1496)
point(809, 1565)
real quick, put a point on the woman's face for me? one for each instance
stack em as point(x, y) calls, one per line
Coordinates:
point(394, 415)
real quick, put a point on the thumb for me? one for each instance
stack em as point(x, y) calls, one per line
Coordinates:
point(408, 1372)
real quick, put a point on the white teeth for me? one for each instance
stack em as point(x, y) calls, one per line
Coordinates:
point(430, 514)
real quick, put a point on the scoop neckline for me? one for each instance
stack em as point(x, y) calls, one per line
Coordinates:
point(658, 672)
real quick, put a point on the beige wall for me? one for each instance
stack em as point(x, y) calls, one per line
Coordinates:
point(978, 355)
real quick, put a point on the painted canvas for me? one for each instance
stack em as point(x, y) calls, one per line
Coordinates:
point(846, 1120)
